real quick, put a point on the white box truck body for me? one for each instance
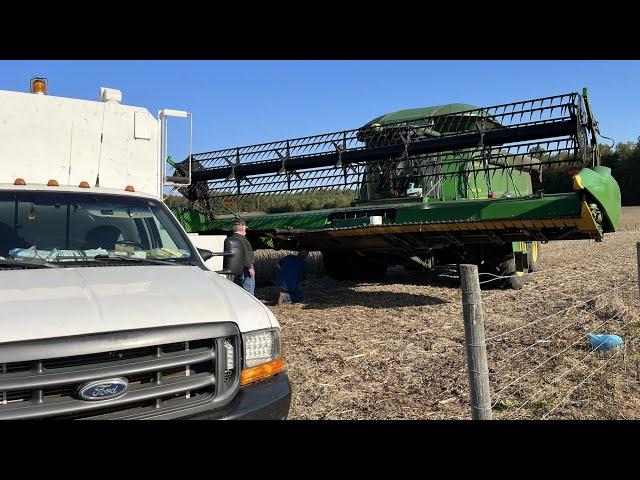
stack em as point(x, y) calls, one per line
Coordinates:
point(107, 309)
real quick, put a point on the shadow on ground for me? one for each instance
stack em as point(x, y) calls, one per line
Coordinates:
point(341, 297)
point(344, 294)
point(440, 277)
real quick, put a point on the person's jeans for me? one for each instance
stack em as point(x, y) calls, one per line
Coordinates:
point(246, 281)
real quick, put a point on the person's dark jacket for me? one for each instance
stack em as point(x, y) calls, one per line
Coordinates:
point(249, 256)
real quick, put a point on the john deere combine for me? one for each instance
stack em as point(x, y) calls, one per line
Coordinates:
point(438, 185)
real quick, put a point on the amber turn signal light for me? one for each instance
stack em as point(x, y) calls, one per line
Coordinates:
point(253, 374)
point(129, 188)
point(52, 183)
point(84, 184)
point(19, 181)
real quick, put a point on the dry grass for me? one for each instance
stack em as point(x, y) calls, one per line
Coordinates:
point(395, 349)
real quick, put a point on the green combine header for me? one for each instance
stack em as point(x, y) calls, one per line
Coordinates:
point(428, 186)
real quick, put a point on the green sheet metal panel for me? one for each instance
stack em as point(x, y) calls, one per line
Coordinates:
point(410, 114)
point(303, 220)
point(548, 206)
point(559, 205)
point(193, 221)
point(512, 182)
point(599, 183)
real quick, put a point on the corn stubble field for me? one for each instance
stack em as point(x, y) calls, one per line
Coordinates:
point(394, 349)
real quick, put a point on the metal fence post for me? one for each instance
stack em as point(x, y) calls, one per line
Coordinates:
point(475, 343)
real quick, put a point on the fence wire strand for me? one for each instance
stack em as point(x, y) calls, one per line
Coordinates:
point(566, 397)
point(513, 382)
point(547, 317)
point(546, 337)
point(567, 372)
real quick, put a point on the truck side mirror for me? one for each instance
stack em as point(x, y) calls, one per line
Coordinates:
point(233, 261)
point(205, 254)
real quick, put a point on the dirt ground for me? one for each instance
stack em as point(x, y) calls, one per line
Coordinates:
point(395, 349)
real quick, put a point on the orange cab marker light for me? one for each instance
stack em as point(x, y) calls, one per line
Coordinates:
point(129, 188)
point(39, 85)
point(19, 181)
point(253, 374)
point(84, 184)
point(52, 183)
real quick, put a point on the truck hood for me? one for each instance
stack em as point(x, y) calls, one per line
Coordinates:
point(59, 302)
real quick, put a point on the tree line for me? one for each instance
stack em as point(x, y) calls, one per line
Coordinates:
point(293, 202)
point(624, 161)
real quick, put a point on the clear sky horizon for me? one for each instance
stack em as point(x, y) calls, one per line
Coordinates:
point(244, 102)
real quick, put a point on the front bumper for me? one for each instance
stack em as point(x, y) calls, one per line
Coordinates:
point(264, 400)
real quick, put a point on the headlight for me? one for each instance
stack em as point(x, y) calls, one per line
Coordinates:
point(260, 347)
point(261, 355)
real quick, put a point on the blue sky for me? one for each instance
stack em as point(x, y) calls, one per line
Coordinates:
point(244, 102)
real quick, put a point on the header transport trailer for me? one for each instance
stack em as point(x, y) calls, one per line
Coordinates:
point(428, 186)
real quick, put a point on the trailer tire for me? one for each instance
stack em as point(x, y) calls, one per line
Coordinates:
point(534, 256)
point(515, 280)
point(413, 267)
point(502, 263)
point(350, 266)
point(335, 265)
point(368, 269)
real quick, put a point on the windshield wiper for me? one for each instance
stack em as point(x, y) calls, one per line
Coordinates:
point(61, 261)
point(23, 263)
point(132, 259)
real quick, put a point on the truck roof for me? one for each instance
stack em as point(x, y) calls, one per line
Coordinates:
point(74, 140)
point(69, 188)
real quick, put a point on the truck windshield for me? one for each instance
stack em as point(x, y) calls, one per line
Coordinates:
point(68, 226)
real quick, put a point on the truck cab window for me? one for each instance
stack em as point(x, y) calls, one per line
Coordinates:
point(66, 225)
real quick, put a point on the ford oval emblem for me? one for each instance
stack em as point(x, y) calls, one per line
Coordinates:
point(103, 389)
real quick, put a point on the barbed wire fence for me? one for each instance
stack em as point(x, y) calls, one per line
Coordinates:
point(538, 366)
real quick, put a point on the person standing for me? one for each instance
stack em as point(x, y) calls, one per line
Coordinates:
point(246, 279)
point(292, 268)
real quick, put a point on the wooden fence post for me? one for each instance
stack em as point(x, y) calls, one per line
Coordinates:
point(638, 260)
point(475, 343)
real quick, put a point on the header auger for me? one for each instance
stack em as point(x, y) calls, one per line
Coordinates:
point(453, 183)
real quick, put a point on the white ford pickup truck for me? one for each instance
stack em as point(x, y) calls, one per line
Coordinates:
point(107, 309)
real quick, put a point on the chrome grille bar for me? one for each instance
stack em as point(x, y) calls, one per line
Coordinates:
point(64, 376)
point(138, 393)
point(4, 394)
point(168, 369)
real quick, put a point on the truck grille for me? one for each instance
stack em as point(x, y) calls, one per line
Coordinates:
point(168, 370)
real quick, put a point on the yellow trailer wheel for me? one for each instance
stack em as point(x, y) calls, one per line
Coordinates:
point(534, 255)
